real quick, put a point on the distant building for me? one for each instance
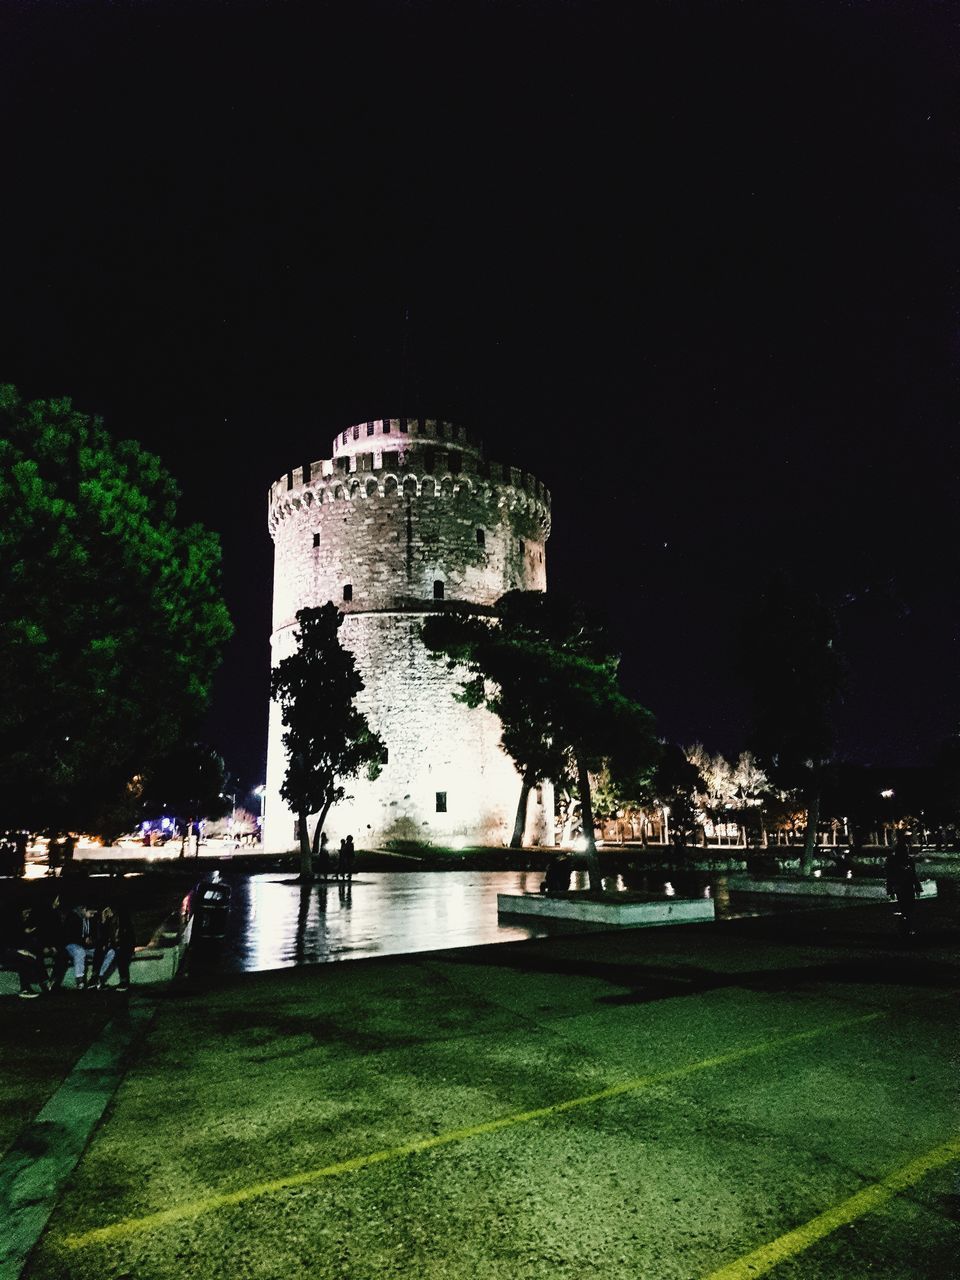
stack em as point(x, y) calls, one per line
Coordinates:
point(405, 519)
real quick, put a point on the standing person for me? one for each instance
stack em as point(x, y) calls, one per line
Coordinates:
point(347, 852)
point(324, 856)
point(903, 883)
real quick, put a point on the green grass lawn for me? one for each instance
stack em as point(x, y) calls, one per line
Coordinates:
point(782, 1068)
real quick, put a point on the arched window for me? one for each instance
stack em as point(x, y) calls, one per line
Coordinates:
point(390, 485)
point(372, 488)
point(348, 592)
point(410, 486)
point(438, 590)
point(428, 488)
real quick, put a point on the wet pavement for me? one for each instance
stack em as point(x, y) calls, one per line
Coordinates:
point(276, 923)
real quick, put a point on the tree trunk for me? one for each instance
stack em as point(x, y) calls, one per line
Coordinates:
point(516, 840)
point(810, 837)
point(306, 853)
point(586, 821)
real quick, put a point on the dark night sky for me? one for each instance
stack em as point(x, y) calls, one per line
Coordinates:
point(691, 263)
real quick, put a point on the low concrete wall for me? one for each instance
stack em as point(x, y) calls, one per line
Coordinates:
point(630, 914)
point(821, 887)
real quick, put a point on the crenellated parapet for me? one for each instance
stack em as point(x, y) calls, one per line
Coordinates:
point(416, 469)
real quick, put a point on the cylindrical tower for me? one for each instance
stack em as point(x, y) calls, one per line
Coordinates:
point(405, 518)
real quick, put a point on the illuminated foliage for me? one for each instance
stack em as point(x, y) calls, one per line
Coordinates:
point(327, 739)
point(113, 619)
point(545, 666)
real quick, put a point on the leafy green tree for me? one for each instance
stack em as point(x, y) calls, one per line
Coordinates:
point(328, 738)
point(190, 784)
point(113, 619)
point(556, 691)
point(792, 663)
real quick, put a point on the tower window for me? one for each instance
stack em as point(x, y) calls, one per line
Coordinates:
point(356, 433)
point(306, 473)
point(481, 538)
point(386, 426)
point(316, 539)
point(289, 479)
point(454, 462)
point(438, 590)
point(428, 458)
point(523, 547)
point(403, 425)
point(348, 591)
point(441, 802)
point(369, 428)
point(346, 436)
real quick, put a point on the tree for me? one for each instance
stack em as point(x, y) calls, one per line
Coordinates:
point(793, 666)
point(328, 739)
point(190, 784)
point(676, 783)
point(555, 689)
point(114, 622)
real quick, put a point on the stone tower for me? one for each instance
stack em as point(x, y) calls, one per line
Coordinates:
point(406, 518)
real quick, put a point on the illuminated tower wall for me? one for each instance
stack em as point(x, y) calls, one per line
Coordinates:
point(406, 518)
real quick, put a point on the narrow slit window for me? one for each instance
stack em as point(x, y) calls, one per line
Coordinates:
point(438, 590)
point(316, 539)
point(289, 479)
point(346, 436)
point(348, 591)
point(441, 802)
point(481, 538)
point(306, 473)
point(523, 547)
point(386, 426)
point(356, 433)
point(369, 428)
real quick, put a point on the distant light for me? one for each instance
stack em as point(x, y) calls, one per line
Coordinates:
point(887, 794)
point(165, 824)
point(669, 890)
point(580, 845)
point(144, 826)
point(849, 875)
point(817, 873)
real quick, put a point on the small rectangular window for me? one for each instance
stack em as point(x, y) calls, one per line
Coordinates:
point(438, 590)
point(403, 425)
point(316, 539)
point(346, 436)
point(289, 479)
point(356, 433)
point(523, 547)
point(421, 425)
point(428, 460)
point(306, 473)
point(386, 426)
point(348, 592)
point(441, 802)
point(481, 538)
point(369, 428)
point(454, 462)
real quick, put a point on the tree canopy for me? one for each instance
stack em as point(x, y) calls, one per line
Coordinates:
point(328, 739)
point(546, 667)
point(188, 785)
point(114, 621)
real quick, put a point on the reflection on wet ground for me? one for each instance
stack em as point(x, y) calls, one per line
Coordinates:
point(276, 923)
